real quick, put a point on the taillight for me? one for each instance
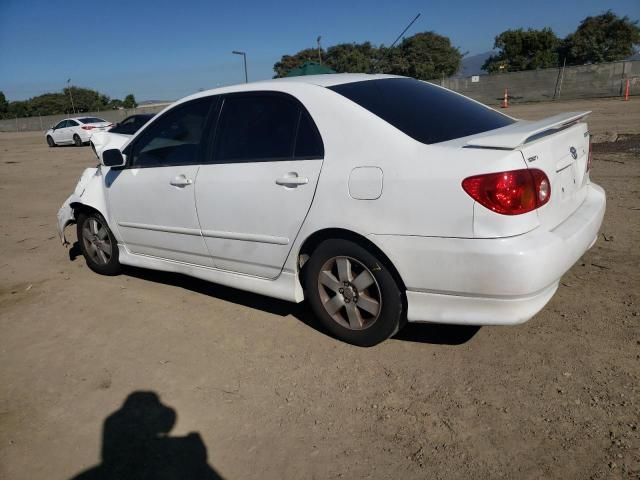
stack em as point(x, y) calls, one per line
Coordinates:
point(590, 155)
point(510, 193)
point(88, 127)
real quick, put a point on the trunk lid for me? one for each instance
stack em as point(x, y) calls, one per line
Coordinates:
point(563, 156)
point(559, 146)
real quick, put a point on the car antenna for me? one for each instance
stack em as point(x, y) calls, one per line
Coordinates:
point(401, 34)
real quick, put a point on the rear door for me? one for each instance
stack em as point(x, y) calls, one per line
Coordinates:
point(257, 189)
point(563, 155)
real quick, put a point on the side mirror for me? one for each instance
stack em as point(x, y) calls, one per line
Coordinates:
point(113, 158)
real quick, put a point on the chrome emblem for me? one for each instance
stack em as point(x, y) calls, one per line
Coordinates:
point(574, 152)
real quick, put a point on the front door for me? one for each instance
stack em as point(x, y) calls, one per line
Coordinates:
point(255, 193)
point(58, 132)
point(151, 201)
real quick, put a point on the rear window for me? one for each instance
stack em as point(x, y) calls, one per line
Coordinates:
point(91, 120)
point(427, 113)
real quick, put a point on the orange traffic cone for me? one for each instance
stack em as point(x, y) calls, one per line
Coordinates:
point(626, 91)
point(505, 102)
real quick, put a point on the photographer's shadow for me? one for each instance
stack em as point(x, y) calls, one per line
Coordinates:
point(136, 445)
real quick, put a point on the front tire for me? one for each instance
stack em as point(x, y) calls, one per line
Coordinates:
point(50, 141)
point(97, 243)
point(77, 141)
point(353, 293)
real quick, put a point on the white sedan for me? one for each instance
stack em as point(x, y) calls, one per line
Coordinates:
point(119, 134)
point(376, 198)
point(76, 131)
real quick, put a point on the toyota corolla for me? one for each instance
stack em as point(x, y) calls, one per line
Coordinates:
point(377, 199)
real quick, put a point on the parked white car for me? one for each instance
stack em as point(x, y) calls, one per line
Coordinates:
point(75, 130)
point(378, 199)
point(117, 135)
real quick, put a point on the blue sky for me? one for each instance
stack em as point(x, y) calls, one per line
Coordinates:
point(159, 49)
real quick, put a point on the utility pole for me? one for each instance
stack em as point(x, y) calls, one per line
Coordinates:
point(319, 49)
point(71, 96)
point(244, 56)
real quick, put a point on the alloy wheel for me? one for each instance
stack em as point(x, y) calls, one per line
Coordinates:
point(349, 293)
point(97, 242)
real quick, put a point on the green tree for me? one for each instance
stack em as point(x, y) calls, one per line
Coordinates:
point(425, 55)
point(86, 100)
point(351, 57)
point(428, 55)
point(289, 62)
point(524, 50)
point(603, 38)
point(129, 101)
point(115, 104)
point(18, 108)
point(4, 105)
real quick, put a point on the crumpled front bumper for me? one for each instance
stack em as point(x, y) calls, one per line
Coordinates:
point(66, 218)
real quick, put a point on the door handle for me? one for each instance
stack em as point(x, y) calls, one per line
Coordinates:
point(181, 181)
point(292, 179)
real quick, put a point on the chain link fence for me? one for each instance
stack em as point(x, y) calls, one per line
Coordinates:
point(584, 81)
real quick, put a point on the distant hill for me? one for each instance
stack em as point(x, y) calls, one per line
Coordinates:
point(473, 65)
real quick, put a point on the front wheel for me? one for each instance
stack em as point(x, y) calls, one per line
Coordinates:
point(77, 140)
point(353, 293)
point(97, 243)
point(50, 141)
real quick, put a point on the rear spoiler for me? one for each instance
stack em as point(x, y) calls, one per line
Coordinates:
point(516, 134)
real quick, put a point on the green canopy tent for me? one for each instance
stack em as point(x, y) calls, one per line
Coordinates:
point(310, 68)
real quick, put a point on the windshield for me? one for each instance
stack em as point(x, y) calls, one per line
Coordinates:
point(425, 112)
point(92, 120)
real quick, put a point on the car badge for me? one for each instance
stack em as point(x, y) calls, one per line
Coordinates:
point(574, 152)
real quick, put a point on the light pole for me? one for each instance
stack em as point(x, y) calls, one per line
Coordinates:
point(71, 96)
point(244, 56)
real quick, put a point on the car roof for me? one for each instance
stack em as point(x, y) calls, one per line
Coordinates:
point(324, 80)
point(85, 116)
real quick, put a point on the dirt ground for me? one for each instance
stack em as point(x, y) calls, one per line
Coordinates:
point(269, 396)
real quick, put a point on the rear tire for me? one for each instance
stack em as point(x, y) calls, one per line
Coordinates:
point(50, 141)
point(97, 243)
point(77, 141)
point(353, 293)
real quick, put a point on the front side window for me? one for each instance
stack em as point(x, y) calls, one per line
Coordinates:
point(425, 112)
point(62, 124)
point(72, 123)
point(174, 138)
point(128, 126)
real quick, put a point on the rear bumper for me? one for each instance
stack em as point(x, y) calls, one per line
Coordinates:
point(498, 281)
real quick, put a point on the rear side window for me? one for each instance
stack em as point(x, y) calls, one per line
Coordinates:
point(265, 127)
point(308, 142)
point(91, 120)
point(427, 113)
point(174, 138)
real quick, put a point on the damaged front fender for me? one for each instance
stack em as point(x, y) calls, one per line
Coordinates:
point(66, 217)
point(90, 192)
